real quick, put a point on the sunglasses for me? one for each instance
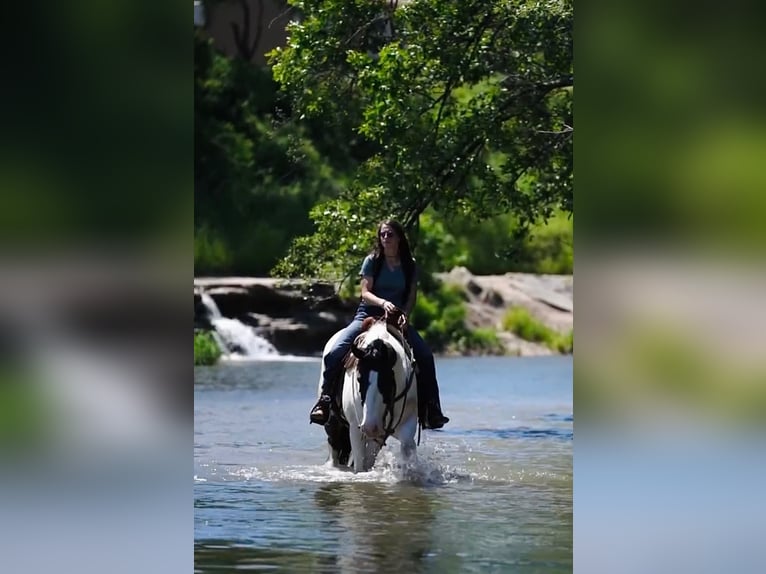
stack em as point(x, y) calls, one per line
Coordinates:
point(387, 234)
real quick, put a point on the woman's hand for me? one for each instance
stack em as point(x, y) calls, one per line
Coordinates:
point(389, 307)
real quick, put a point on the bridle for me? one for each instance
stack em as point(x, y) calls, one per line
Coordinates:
point(389, 399)
point(388, 413)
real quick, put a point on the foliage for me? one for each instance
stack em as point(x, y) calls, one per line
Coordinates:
point(210, 252)
point(24, 413)
point(438, 249)
point(439, 317)
point(549, 248)
point(484, 247)
point(206, 351)
point(519, 321)
point(565, 343)
point(483, 341)
point(466, 107)
point(257, 173)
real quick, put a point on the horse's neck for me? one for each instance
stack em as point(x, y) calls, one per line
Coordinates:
point(391, 332)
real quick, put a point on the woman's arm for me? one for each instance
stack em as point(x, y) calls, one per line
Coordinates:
point(369, 297)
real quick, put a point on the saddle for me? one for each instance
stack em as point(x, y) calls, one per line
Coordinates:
point(392, 324)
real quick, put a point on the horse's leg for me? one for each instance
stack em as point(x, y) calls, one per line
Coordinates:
point(371, 450)
point(334, 455)
point(335, 430)
point(406, 436)
point(358, 450)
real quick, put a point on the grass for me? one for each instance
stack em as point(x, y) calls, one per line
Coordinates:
point(206, 351)
point(521, 323)
point(565, 343)
point(478, 341)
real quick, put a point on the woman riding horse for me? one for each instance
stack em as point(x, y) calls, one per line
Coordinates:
point(389, 285)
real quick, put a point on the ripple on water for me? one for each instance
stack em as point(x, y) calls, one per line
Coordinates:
point(520, 432)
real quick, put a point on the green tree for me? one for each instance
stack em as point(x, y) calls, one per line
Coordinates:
point(466, 108)
point(257, 172)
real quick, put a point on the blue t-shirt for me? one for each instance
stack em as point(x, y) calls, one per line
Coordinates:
point(389, 284)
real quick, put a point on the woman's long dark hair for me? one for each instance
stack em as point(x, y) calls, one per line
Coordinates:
point(405, 254)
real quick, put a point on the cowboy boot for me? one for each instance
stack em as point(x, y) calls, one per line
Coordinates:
point(435, 419)
point(320, 413)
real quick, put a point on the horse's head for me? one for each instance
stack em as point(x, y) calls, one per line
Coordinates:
point(380, 362)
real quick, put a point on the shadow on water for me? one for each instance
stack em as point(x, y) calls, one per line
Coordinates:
point(358, 527)
point(381, 528)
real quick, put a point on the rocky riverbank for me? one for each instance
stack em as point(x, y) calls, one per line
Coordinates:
point(298, 318)
point(547, 298)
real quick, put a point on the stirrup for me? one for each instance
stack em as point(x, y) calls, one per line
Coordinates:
point(320, 414)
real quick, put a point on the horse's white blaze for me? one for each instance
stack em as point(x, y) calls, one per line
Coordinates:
point(372, 413)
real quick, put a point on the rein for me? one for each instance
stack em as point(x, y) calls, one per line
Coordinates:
point(389, 412)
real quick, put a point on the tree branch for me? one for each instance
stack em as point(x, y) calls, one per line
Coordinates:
point(567, 129)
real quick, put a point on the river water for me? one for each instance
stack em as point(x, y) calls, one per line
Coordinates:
point(491, 492)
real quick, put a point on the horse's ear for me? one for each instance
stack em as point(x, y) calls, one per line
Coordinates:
point(358, 353)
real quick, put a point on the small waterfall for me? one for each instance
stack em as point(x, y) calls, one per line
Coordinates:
point(210, 305)
point(236, 340)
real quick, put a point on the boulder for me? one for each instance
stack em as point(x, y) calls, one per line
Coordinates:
point(298, 317)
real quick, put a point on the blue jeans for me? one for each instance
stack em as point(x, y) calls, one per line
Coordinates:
point(333, 360)
point(428, 388)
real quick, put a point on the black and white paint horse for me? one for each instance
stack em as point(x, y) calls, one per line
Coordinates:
point(379, 399)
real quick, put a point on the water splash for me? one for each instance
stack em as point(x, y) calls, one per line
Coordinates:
point(388, 469)
point(237, 340)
